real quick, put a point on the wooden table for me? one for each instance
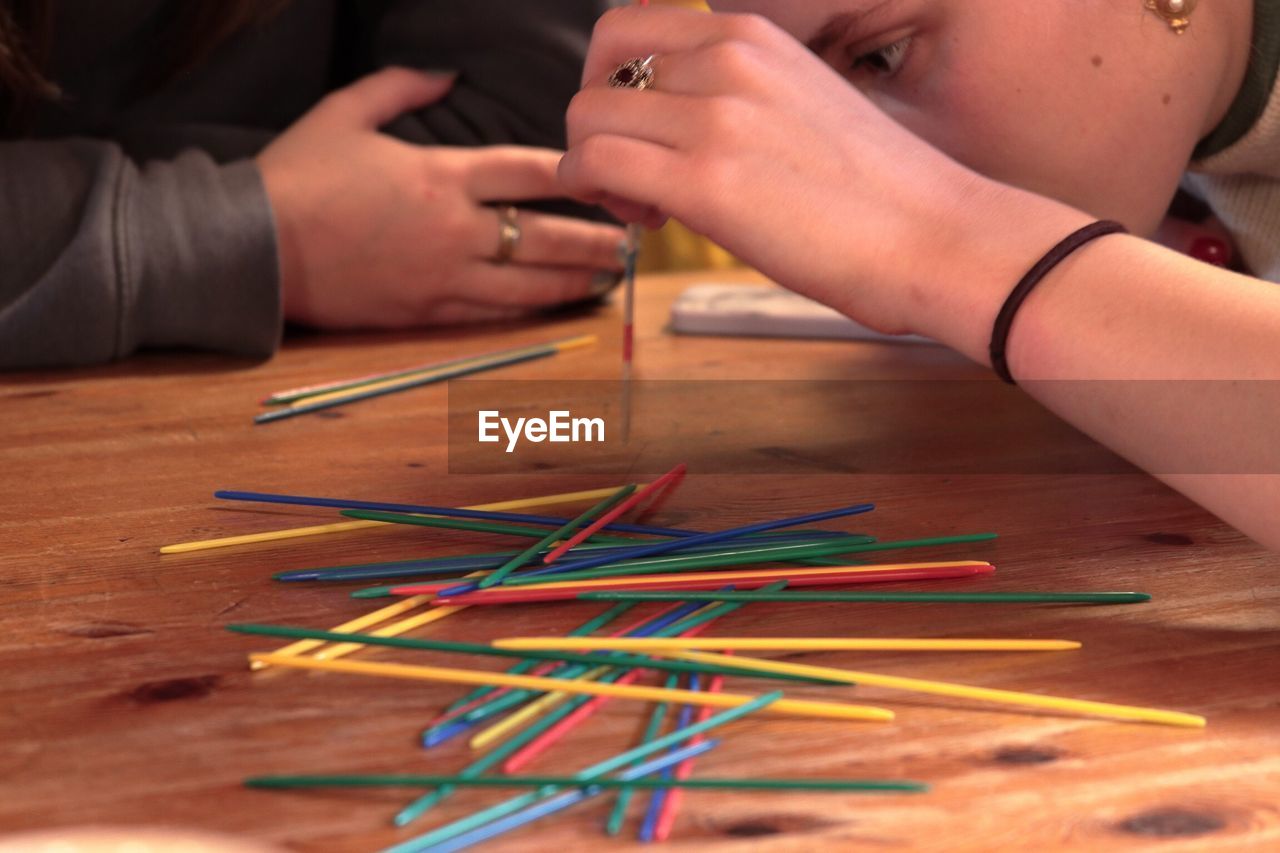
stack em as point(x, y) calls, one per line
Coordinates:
point(124, 701)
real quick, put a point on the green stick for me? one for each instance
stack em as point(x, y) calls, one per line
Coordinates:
point(500, 574)
point(901, 597)
point(375, 591)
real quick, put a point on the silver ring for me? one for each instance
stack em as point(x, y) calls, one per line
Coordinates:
point(633, 74)
point(509, 234)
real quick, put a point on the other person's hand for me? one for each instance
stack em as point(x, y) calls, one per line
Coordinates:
point(376, 232)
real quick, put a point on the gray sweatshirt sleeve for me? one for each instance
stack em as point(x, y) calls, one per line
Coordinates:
point(100, 256)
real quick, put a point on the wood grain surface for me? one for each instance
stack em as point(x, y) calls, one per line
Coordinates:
point(124, 702)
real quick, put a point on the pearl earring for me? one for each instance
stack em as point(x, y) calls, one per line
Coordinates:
point(1176, 13)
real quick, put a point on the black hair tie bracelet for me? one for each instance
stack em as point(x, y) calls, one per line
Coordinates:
point(1055, 256)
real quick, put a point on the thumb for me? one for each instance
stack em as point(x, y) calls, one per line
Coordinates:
point(385, 95)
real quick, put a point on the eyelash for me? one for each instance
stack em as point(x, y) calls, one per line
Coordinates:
point(885, 56)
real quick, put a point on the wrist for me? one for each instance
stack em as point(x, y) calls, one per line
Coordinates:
point(981, 247)
point(289, 266)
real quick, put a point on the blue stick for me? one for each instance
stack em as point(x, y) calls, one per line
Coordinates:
point(656, 548)
point(650, 823)
point(704, 538)
point(472, 563)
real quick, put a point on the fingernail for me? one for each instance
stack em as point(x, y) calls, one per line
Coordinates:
point(603, 282)
point(1211, 250)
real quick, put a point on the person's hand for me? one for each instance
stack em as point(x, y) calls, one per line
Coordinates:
point(375, 232)
point(751, 140)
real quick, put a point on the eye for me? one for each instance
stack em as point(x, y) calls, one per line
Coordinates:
point(882, 62)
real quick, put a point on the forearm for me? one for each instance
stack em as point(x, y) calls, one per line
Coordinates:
point(1172, 363)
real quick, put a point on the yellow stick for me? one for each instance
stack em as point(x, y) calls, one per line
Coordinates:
point(357, 624)
point(269, 536)
point(395, 629)
point(782, 644)
point(504, 728)
point(793, 707)
point(342, 526)
point(562, 346)
point(942, 688)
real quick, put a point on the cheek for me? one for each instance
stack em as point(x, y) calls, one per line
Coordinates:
point(1099, 139)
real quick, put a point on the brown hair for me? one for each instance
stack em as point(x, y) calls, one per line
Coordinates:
point(197, 29)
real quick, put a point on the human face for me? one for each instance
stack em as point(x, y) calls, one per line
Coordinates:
point(1096, 103)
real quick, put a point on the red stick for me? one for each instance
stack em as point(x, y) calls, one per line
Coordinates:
point(676, 474)
point(548, 739)
point(529, 595)
point(544, 668)
point(683, 581)
point(659, 499)
point(667, 816)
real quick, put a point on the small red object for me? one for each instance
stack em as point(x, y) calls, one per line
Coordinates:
point(628, 339)
point(1211, 250)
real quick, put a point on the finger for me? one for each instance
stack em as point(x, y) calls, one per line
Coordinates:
point(463, 311)
point(627, 169)
point(512, 173)
point(519, 286)
point(559, 241)
point(726, 67)
point(627, 211)
point(653, 116)
point(378, 98)
point(631, 33)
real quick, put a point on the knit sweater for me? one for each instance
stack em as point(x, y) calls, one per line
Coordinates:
point(1241, 182)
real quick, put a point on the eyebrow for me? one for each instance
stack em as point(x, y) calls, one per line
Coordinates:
point(839, 27)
